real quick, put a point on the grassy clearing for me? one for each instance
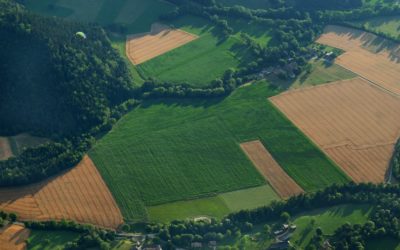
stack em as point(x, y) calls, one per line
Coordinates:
point(322, 73)
point(200, 61)
point(170, 150)
point(253, 4)
point(389, 25)
point(328, 220)
point(216, 206)
point(249, 198)
point(260, 33)
point(50, 240)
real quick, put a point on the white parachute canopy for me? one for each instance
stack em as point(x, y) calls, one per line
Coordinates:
point(80, 34)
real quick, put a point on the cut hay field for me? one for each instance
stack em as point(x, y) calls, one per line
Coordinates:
point(200, 61)
point(13, 237)
point(382, 67)
point(79, 194)
point(161, 39)
point(170, 150)
point(283, 185)
point(353, 121)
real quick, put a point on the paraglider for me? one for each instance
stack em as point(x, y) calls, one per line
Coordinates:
point(80, 34)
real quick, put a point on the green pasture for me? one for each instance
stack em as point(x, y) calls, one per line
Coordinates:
point(171, 150)
point(216, 206)
point(320, 73)
point(50, 240)
point(328, 220)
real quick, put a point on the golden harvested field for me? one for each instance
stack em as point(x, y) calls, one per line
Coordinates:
point(143, 47)
point(79, 194)
point(270, 169)
point(13, 237)
point(5, 149)
point(381, 68)
point(354, 122)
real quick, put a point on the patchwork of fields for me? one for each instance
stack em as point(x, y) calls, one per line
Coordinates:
point(200, 61)
point(143, 47)
point(80, 194)
point(171, 150)
point(270, 169)
point(354, 122)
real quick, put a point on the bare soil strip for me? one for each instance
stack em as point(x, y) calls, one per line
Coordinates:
point(270, 169)
point(367, 55)
point(145, 46)
point(5, 149)
point(80, 194)
point(353, 121)
point(13, 237)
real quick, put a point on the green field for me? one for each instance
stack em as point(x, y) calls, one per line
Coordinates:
point(215, 206)
point(389, 25)
point(200, 61)
point(170, 150)
point(50, 240)
point(328, 220)
point(322, 73)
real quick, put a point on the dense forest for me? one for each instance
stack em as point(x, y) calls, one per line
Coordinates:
point(58, 85)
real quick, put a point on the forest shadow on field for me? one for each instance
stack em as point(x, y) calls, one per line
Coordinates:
point(373, 42)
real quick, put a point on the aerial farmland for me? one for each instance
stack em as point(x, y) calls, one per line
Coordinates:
point(223, 124)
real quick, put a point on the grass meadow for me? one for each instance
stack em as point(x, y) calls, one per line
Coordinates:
point(328, 220)
point(171, 150)
point(216, 206)
point(50, 240)
point(322, 73)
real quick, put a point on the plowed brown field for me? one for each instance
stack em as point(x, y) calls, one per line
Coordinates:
point(5, 149)
point(381, 68)
point(79, 194)
point(353, 121)
point(13, 237)
point(161, 39)
point(270, 169)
